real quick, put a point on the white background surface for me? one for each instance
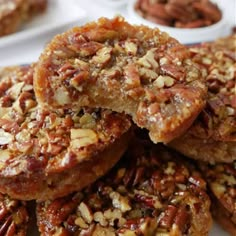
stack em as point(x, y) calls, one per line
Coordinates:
point(26, 46)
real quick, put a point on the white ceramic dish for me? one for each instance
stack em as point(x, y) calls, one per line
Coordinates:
point(188, 36)
point(113, 3)
point(59, 13)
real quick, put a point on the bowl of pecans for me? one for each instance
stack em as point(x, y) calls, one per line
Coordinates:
point(189, 21)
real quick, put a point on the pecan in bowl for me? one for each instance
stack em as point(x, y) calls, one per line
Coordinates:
point(212, 137)
point(179, 13)
point(151, 191)
point(47, 154)
point(221, 179)
point(133, 69)
point(13, 217)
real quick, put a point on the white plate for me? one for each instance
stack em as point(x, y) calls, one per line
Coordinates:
point(59, 13)
point(113, 3)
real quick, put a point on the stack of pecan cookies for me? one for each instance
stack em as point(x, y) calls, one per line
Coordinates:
point(88, 132)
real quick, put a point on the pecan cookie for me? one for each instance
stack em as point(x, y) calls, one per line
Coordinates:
point(46, 154)
point(12, 14)
point(133, 69)
point(212, 137)
point(152, 191)
point(221, 179)
point(13, 217)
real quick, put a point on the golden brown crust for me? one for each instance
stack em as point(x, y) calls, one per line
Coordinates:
point(208, 150)
point(212, 137)
point(221, 179)
point(152, 190)
point(126, 68)
point(46, 154)
point(39, 184)
point(13, 216)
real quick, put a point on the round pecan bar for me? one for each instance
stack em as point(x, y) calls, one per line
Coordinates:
point(47, 154)
point(133, 69)
point(221, 179)
point(212, 137)
point(151, 191)
point(13, 217)
point(12, 14)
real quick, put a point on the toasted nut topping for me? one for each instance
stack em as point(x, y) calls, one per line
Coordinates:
point(120, 202)
point(163, 81)
point(81, 223)
point(83, 137)
point(148, 60)
point(61, 96)
point(15, 90)
point(102, 56)
point(99, 217)
point(85, 212)
point(5, 137)
point(4, 156)
point(131, 47)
